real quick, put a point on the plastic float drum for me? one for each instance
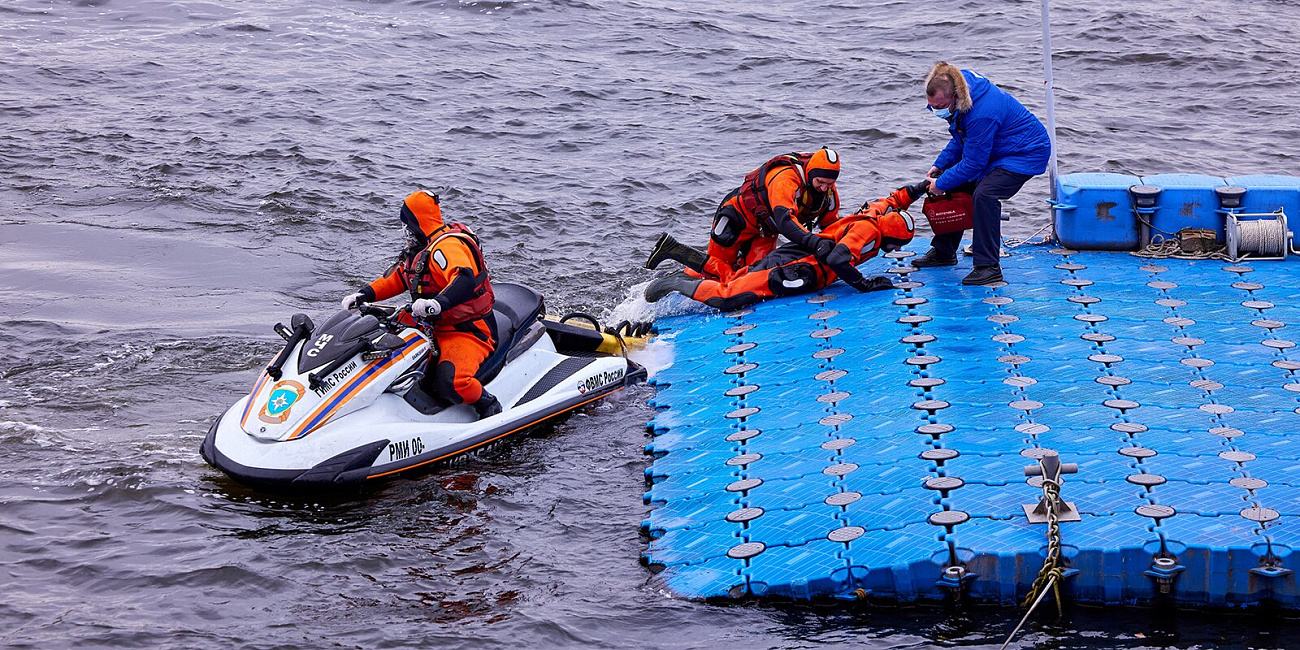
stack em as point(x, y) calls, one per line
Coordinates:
point(1185, 201)
point(1093, 211)
point(949, 212)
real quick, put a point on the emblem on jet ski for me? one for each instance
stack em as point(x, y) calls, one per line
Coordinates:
point(282, 398)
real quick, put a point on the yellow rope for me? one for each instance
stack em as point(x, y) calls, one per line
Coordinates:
point(1052, 572)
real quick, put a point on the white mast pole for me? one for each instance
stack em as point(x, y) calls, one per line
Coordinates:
point(1051, 109)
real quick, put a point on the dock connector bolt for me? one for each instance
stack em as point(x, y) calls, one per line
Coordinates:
point(954, 578)
point(1051, 469)
point(1164, 569)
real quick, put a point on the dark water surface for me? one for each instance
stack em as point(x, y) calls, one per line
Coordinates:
point(177, 176)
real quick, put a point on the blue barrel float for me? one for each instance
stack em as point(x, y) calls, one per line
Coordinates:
point(1095, 211)
point(1104, 211)
point(874, 446)
point(1186, 201)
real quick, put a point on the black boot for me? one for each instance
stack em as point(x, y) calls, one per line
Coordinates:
point(487, 406)
point(933, 257)
point(983, 275)
point(668, 248)
point(679, 282)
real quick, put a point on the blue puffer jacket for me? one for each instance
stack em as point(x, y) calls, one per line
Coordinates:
point(997, 131)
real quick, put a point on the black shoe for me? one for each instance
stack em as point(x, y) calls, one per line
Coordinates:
point(983, 275)
point(679, 282)
point(668, 248)
point(487, 406)
point(933, 257)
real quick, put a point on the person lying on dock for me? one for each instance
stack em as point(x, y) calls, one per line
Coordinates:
point(788, 195)
point(880, 225)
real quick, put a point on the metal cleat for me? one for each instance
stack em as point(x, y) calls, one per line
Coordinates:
point(1051, 468)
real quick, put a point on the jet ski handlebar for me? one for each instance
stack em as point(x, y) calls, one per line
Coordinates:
point(388, 315)
point(370, 349)
point(382, 312)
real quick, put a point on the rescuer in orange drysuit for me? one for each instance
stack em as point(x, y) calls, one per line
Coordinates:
point(443, 269)
point(788, 195)
point(879, 225)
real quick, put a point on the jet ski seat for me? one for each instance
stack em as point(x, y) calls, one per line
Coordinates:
point(517, 308)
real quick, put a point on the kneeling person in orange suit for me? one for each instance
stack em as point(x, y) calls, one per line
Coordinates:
point(877, 226)
point(442, 267)
point(789, 195)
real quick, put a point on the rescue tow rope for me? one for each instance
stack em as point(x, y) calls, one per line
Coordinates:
point(1174, 249)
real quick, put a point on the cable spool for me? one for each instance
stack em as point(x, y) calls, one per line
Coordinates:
point(1259, 237)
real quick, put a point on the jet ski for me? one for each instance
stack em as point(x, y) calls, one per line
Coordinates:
point(340, 406)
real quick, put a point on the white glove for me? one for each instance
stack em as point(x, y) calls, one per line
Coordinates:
point(350, 301)
point(426, 308)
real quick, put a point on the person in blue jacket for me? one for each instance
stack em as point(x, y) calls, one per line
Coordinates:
point(997, 145)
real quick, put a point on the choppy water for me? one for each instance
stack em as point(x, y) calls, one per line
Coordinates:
point(175, 177)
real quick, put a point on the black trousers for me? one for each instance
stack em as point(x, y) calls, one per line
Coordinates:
point(986, 236)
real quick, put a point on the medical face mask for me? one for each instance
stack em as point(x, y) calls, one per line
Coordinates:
point(942, 113)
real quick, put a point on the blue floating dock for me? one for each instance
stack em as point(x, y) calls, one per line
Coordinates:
point(873, 445)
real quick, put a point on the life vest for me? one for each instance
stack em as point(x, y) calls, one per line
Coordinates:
point(753, 197)
point(424, 284)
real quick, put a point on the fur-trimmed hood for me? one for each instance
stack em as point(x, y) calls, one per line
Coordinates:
point(961, 90)
point(989, 128)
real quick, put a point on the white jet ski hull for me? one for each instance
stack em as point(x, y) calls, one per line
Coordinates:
point(359, 425)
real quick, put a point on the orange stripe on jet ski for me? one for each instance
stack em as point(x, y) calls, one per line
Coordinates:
point(323, 412)
point(497, 437)
point(248, 408)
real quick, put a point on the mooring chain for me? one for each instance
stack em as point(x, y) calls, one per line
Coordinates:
point(1052, 572)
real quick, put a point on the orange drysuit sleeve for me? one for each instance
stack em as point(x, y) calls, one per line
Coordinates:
point(392, 283)
point(783, 186)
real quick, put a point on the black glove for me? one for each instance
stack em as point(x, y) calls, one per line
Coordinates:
point(820, 247)
point(876, 283)
point(915, 190)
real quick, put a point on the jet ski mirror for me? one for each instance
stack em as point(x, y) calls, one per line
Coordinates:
point(302, 328)
point(301, 321)
point(298, 322)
